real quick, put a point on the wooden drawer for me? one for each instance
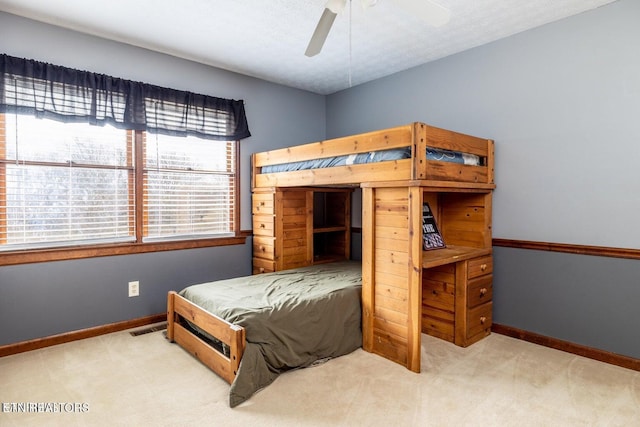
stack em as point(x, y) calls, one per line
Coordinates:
point(263, 247)
point(480, 267)
point(479, 321)
point(479, 291)
point(263, 225)
point(438, 323)
point(261, 265)
point(262, 203)
point(438, 294)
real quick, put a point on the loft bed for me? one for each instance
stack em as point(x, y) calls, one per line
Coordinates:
point(416, 151)
point(407, 291)
point(250, 329)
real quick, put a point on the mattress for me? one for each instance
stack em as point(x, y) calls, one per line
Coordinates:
point(373, 157)
point(292, 319)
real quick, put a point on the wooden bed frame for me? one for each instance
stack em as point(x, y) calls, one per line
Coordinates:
point(414, 174)
point(181, 310)
point(417, 136)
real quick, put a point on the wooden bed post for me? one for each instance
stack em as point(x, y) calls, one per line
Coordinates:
point(170, 314)
point(278, 230)
point(490, 161)
point(419, 169)
point(368, 288)
point(414, 299)
point(236, 348)
point(254, 171)
point(309, 227)
point(488, 220)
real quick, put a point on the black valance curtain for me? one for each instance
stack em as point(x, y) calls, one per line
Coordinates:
point(68, 95)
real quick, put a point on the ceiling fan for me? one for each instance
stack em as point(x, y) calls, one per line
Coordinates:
point(429, 11)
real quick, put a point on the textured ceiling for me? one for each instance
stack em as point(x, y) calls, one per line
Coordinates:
point(267, 38)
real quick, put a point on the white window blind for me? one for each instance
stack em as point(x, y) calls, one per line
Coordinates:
point(64, 183)
point(189, 187)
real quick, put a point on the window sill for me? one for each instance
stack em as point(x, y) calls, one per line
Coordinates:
point(80, 252)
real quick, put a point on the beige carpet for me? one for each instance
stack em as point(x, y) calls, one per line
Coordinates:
point(119, 379)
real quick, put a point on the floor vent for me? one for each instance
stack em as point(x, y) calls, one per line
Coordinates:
point(149, 330)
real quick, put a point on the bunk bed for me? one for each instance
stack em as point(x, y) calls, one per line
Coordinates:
point(405, 291)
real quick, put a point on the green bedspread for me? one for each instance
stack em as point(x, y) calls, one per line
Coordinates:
point(292, 318)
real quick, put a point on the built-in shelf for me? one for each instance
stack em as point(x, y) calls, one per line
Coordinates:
point(296, 227)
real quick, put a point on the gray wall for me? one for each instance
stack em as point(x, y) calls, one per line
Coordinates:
point(43, 299)
point(562, 103)
point(586, 300)
point(571, 87)
point(39, 300)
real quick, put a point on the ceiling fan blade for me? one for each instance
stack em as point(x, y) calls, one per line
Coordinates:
point(321, 32)
point(427, 10)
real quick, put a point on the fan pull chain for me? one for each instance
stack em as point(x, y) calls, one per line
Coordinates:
point(350, 48)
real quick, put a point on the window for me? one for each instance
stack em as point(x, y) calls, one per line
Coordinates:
point(64, 184)
point(74, 184)
point(188, 186)
point(96, 162)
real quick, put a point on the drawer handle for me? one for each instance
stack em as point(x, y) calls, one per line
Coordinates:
point(483, 267)
point(261, 269)
point(261, 225)
point(434, 292)
point(261, 203)
point(262, 248)
point(483, 292)
point(483, 319)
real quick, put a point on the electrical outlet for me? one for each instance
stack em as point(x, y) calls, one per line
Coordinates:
point(134, 289)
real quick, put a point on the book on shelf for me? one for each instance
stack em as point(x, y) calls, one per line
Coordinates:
point(431, 237)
